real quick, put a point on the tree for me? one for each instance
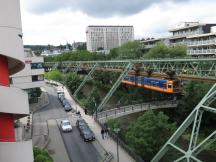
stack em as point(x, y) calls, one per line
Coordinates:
point(73, 81)
point(130, 50)
point(160, 50)
point(54, 75)
point(93, 101)
point(142, 134)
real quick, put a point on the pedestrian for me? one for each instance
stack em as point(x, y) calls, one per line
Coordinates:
point(102, 133)
point(85, 111)
point(106, 131)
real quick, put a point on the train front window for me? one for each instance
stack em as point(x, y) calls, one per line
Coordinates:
point(169, 86)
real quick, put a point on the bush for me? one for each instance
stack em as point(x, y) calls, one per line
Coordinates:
point(41, 155)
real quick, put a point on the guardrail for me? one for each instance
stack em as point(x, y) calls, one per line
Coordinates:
point(135, 108)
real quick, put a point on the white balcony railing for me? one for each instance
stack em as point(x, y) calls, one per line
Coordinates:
point(196, 52)
point(204, 42)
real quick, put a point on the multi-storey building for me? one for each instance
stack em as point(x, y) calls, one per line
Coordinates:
point(186, 29)
point(201, 44)
point(149, 43)
point(31, 77)
point(108, 37)
point(13, 101)
point(199, 38)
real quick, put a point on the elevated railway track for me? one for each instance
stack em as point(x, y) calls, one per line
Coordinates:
point(192, 68)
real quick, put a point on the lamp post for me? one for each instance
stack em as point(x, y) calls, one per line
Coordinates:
point(116, 130)
point(95, 108)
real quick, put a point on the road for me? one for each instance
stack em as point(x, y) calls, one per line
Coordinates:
point(77, 149)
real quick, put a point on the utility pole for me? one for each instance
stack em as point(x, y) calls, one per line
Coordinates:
point(116, 130)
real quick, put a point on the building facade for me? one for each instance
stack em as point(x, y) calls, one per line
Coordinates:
point(108, 37)
point(198, 37)
point(13, 101)
point(32, 75)
point(202, 44)
point(187, 29)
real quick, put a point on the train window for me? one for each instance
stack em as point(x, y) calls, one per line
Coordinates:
point(169, 86)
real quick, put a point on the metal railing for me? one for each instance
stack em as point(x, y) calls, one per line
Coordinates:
point(136, 108)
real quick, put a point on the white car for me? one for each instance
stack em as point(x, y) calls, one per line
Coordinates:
point(60, 90)
point(66, 126)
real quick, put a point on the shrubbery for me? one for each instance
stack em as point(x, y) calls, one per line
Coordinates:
point(41, 155)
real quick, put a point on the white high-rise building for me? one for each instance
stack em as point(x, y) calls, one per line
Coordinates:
point(108, 37)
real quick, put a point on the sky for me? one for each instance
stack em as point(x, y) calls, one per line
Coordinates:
point(60, 21)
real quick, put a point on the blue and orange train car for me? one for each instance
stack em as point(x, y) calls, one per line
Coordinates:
point(162, 85)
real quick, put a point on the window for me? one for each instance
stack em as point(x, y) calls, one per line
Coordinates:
point(36, 65)
point(36, 78)
point(169, 86)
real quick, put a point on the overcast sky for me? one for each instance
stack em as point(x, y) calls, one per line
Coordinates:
point(60, 21)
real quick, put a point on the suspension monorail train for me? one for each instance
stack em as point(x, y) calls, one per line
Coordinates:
point(162, 85)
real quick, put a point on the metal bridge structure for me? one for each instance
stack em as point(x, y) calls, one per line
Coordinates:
point(189, 69)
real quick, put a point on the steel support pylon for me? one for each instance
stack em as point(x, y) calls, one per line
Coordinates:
point(195, 117)
point(87, 77)
point(115, 86)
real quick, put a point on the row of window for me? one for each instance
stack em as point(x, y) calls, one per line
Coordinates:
point(36, 65)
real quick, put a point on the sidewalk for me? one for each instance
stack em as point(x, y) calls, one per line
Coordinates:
point(109, 144)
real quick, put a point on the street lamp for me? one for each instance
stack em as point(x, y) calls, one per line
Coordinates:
point(116, 130)
point(95, 108)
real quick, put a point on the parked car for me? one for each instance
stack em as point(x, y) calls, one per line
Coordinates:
point(67, 107)
point(61, 98)
point(80, 123)
point(64, 102)
point(60, 90)
point(60, 95)
point(66, 126)
point(87, 134)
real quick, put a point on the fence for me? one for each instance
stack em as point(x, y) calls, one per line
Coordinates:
point(117, 112)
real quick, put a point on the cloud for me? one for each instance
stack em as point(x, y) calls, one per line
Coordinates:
point(94, 8)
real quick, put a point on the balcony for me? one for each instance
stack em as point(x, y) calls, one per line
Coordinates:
point(16, 151)
point(202, 52)
point(202, 43)
point(185, 34)
point(14, 101)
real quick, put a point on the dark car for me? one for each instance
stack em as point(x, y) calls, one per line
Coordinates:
point(67, 107)
point(87, 135)
point(64, 102)
point(61, 98)
point(81, 123)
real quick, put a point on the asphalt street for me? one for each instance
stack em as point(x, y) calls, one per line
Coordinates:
point(77, 149)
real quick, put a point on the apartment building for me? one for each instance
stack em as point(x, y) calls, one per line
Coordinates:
point(13, 101)
point(202, 44)
point(32, 75)
point(186, 29)
point(151, 42)
point(198, 37)
point(104, 38)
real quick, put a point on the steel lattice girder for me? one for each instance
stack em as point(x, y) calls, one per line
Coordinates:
point(195, 117)
point(195, 68)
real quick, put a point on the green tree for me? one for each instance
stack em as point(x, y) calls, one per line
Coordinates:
point(129, 50)
point(54, 75)
point(72, 80)
point(142, 135)
point(160, 50)
point(93, 101)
